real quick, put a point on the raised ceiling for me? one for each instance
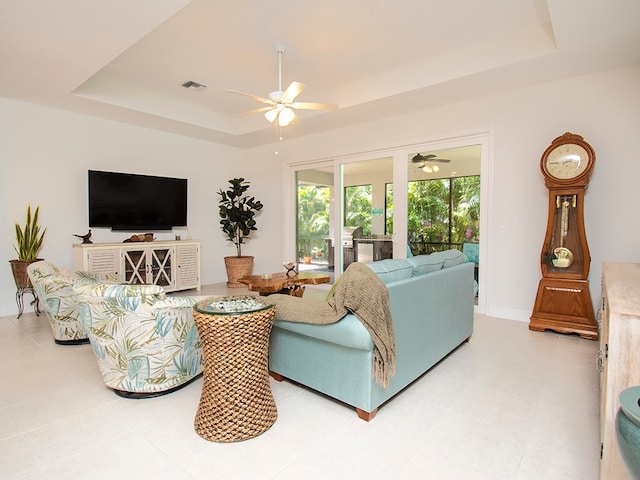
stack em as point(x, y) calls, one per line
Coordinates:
point(126, 60)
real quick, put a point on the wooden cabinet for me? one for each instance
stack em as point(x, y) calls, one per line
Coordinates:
point(174, 265)
point(618, 357)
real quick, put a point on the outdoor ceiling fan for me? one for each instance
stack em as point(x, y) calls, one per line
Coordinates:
point(427, 162)
point(280, 103)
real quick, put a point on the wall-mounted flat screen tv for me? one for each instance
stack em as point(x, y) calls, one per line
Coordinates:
point(130, 202)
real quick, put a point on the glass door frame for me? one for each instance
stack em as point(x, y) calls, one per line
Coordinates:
point(400, 154)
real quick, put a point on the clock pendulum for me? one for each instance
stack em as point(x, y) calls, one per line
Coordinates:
point(563, 302)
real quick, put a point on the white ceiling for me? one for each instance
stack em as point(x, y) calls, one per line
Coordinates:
point(126, 60)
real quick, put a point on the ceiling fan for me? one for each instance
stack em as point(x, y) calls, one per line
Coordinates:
point(280, 103)
point(426, 162)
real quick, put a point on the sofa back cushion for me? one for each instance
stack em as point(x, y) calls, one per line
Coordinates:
point(452, 258)
point(390, 270)
point(426, 263)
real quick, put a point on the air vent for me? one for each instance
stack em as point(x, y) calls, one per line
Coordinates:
point(191, 85)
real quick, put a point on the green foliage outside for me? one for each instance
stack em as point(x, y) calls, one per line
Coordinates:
point(313, 219)
point(442, 214)
point(357, 207)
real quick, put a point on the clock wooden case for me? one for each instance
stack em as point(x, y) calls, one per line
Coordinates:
point(563, 302)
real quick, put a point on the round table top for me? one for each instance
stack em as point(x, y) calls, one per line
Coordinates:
point(232, 305)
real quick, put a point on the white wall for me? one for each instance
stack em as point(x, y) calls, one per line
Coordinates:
point(46, 153)
point(604, 108)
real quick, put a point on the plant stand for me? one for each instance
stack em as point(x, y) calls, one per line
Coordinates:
point(24, 285)
point(20, 300)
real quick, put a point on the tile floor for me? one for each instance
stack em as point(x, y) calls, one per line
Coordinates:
point(510, 404)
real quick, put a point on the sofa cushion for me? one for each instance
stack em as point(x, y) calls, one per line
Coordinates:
point(426, 263)
point(348, 332)
point(390, 270)
point(452, 258)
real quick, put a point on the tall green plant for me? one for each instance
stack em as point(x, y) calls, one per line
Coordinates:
point(237, 210)
point(29, 238)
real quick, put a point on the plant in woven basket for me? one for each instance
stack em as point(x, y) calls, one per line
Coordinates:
point(237, 212)
point(28, 243)
point(29, 239)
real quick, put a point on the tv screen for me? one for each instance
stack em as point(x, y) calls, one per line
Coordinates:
point(125, 201)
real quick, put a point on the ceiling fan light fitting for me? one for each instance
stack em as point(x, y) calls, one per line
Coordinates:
point(286, 116)
point(271, 115)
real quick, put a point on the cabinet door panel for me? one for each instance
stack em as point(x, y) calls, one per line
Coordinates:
point(103, 261)
point(188, 266)
point(161, 267)
point(135, 266)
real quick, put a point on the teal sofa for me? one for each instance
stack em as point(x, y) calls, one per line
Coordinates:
point(431, 299)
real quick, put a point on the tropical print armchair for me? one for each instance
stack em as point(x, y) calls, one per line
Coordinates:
point(146, 343)
point(55, 290)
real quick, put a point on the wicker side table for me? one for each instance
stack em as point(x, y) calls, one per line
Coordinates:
point(236, 401)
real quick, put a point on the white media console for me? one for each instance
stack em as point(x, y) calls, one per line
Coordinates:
point(174, 265)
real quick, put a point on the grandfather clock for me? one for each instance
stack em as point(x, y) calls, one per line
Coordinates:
point(563, 302)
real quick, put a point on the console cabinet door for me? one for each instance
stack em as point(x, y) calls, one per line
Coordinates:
point(188, 266)
point(99, 260)
point(161, 268)
point(134, 266)
point(150, 266)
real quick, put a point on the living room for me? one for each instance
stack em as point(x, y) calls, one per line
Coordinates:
point(47, 151)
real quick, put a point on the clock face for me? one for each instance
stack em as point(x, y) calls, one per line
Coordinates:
point(567, 161)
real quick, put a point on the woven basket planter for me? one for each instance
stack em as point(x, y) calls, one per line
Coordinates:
point(20, 275)
point(237, 267)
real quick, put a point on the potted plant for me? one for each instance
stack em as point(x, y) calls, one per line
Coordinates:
point(237, 211)
point(29, 242)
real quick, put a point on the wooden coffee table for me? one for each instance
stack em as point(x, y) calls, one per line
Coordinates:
point(283, 283)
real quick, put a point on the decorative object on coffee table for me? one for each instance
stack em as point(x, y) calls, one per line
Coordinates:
point(237, 210)
point(290, 267)
point(28, 243)
point(236, 401)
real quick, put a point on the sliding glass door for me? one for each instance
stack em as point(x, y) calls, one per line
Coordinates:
point(400, 202)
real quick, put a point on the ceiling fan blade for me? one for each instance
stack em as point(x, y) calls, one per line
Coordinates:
point(314, 106)
point(257, 110)
point(421, 159)
point(253, 97)
point(293, 90)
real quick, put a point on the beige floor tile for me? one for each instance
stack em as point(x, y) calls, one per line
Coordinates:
point(509, 404)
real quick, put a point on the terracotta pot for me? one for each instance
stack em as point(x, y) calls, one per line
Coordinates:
point(237, 267)
point(307, 259)
point(19, 270)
